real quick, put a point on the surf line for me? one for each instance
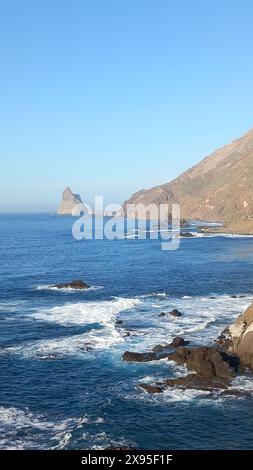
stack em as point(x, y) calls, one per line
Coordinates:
point(93, 460)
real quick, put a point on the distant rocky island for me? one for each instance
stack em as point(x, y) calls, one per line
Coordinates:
point(69, 203)
point(218, 189)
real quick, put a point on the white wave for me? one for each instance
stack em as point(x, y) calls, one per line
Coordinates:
point(37, 429)
point(203, 318)
point(82, 313)
point(70, 346)
point(101, 313)
point(243, 382)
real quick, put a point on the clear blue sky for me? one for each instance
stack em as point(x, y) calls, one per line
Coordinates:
point(113, 96)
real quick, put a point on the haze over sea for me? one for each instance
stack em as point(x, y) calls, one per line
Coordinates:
point(63, 382)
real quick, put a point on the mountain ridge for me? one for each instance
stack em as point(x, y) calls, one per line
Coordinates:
point(218, 188)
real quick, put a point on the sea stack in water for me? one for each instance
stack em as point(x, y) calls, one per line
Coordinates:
point(77, 284)
point(69, 203)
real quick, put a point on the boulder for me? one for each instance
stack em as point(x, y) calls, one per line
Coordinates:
point(175, 313)
point(206, 362)
point(178, 341)
point(77, 284)
point(241, 332)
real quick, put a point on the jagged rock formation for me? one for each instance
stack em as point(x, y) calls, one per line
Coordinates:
point(219, 188)
point(69, 203)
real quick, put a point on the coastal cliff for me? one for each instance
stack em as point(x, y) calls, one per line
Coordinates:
point(219, 188)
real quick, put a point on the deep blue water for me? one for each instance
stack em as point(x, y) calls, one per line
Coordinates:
point(63, 383)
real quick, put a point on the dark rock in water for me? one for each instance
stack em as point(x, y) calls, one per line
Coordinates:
point(129, 356)
point(127, 334)
point(233, 392)
point(87, 347)
point(186, 234)
point(158, 352)
point(206, 362)
point(119, 322)
point(177, 342)
point(188, 382)
point(175, 313)
point(77, 284)
point(162, 314)
point(150, 388)
point(194, 381)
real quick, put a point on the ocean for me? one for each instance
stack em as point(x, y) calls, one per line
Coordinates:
point(63, 383)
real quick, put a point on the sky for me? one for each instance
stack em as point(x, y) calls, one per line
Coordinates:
point(109, 97)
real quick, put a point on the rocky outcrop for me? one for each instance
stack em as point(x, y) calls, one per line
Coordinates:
point(130, 356)
point(242, 337)
point(176, 343)
point(72, 285)
point(206, 362)
point(70, 202)
point(158, 352)
point(190, 381)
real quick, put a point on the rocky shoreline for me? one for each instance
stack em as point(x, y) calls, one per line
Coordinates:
point(209, 368)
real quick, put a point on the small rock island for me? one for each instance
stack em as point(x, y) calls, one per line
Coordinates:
point(69, 203)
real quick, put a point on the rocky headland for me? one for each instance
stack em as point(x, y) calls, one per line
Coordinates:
point(217, 189)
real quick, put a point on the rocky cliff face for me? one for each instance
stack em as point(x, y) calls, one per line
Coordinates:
point(242, 337)
point(219, 188)
point(69, 203)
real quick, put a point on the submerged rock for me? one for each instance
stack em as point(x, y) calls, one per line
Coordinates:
point(77, 284)
point(206, 362)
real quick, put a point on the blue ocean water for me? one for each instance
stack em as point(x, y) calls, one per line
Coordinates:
point(63, 383)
